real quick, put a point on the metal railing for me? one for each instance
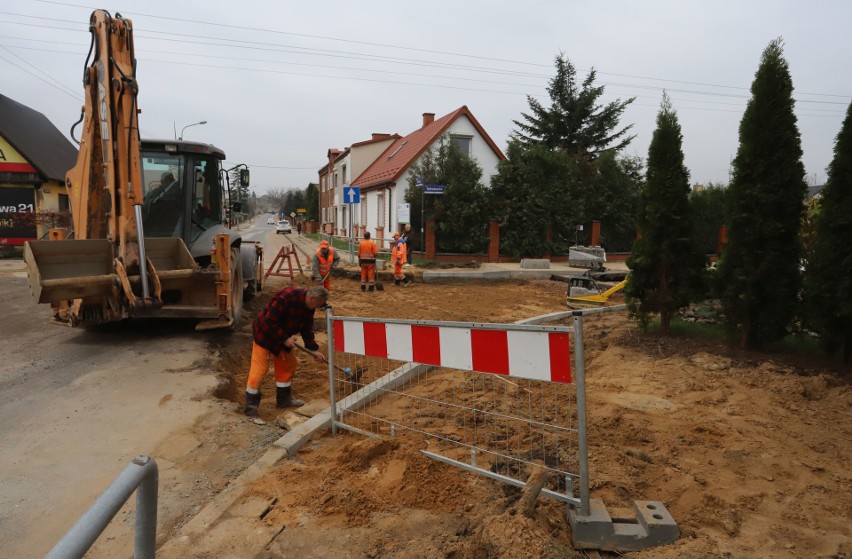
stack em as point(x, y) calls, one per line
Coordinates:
point(141, 476)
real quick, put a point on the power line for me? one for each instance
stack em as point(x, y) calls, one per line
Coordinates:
point(51, 84)
point(385, 45)
point(326, 76)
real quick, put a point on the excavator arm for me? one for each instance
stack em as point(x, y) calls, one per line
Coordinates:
point(105, 186)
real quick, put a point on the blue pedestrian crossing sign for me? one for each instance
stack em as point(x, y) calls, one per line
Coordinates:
point(351, 195)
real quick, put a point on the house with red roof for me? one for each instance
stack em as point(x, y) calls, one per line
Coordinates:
point(384, 181)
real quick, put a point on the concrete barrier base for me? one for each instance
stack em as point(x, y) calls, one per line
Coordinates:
point(653, 526)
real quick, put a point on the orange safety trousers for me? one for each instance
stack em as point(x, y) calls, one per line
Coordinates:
point(326, 283)
point(368, 273)
point(285, 366)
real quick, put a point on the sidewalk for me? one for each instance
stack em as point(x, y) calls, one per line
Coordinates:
point(485, 272)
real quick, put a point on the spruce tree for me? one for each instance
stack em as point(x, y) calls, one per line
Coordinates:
point(829, 274)
point(759, 272)
point(575, 122)
point(665, 265)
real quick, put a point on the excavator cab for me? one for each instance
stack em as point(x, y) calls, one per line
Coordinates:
point(182, 193)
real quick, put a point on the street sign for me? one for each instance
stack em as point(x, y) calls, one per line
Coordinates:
point(433, 189)
point(351, 195)
point(292, 214)
point(418, 182)
point(301, 210)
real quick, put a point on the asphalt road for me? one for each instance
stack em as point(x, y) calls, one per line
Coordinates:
point(76, 406)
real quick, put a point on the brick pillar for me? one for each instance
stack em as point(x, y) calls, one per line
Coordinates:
point(596, 233)
point(494, 241)
point(430, 240)
point(722, 240)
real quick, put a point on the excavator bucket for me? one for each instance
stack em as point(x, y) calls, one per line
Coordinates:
point(85, 269)
point(75, 269)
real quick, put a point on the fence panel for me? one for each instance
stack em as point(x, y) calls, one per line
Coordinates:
point(498, 399)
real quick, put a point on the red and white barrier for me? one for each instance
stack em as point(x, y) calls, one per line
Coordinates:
point(536, 355)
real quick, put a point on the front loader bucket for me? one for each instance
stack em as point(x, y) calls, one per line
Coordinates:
point(75, 269)
point(187, 291)
point(170, 258)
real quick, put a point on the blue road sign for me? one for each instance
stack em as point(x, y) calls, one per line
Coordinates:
point(351, 195)
point(418, 182)
point(433, 189)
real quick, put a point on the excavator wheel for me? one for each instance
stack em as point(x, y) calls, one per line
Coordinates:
point(236, 287)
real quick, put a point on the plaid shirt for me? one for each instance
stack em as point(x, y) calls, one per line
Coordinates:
point(285, 314)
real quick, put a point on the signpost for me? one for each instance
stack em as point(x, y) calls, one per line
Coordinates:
point(351, 196)
point(425, 189)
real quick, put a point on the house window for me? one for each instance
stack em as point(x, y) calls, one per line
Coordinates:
point(343, 173)
point(462, 143)
point(380, 209)
point(364, 210)
point(402, 145)
point(63, 203)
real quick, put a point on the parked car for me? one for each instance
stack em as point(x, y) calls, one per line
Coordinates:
point(270, 221)
point(283, 227)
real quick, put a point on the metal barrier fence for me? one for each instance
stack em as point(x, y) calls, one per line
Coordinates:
point(495, 399)
point(140, 475)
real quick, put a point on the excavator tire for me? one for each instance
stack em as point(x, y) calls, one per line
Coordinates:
point(236, 289)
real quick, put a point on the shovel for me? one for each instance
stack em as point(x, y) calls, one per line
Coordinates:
point(350, 376)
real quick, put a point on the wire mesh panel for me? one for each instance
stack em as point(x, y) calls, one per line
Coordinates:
point(519, 414)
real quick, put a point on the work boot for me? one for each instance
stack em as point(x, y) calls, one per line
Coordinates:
point(363, 287)
point(372, 288)
point(252, 403)
point(284, 398)
point(396, 282)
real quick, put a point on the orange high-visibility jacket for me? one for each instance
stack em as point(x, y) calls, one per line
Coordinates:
point(367, 251)
point(399, 253)
point(324, 264)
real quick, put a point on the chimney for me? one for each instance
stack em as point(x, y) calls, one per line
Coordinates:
point(428, 118)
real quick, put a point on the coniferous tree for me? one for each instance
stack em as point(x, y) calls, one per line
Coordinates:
point(575, 140)
point(665, 266)
point(829, 274)
point(312, 202)
point(463, 211)
point(759, 272)
point(535, 191)
point(574, 122)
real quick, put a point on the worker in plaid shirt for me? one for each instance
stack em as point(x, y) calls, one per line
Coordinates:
point(289, 312)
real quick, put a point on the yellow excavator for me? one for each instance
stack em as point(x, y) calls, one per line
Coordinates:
point(151, 235)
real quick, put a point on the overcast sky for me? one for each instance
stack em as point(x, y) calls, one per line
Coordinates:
point(281, 82)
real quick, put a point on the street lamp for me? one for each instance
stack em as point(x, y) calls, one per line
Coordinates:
point(188, 125)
